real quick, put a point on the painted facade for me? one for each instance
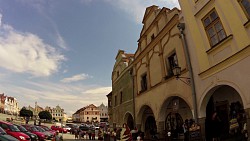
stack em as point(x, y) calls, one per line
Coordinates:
point(58, 113)
point(91, 113)
point(218, 38)
point(2, 104)
point(162, 102)
point(121, 106)
point(11, 106)
point(103, 113)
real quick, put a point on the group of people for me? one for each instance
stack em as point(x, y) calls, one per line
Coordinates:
point(80, 134)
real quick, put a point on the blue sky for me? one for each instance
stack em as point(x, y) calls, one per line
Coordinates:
point(62, 52)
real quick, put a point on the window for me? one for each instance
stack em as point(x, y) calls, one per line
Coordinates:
point(118, 73)
point(214, 28)
point(87, 117)
point(172, 62)
point(245, 4)
point(144, 84)
point(115, 100)
point(152, 37)
point(120, 97)
point(109, 103)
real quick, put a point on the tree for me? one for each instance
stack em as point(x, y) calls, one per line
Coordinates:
point(45, 115)
point(25, 113)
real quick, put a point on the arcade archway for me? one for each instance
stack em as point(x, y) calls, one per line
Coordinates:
point(129, 120)
point(227, 103)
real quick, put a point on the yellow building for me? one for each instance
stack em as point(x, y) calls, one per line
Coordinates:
point(162, 103)
point(218, 37)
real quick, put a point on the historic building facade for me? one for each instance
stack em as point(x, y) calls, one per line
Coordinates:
point(162, 102)
point(91, 113)
point(103, 113)
point(121, 99)
point(11, 106)
point(2, 100)
point(218, 38)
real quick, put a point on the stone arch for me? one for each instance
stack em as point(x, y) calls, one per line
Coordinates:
point(209, 92)
point(129, 119)
point(162, 112)
point(227, 102)
point(146, 119)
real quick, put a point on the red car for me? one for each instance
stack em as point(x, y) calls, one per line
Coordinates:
point(32, 129)
point(14, 131)
point(59, 128)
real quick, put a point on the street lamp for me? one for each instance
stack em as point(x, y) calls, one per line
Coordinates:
point(177, 72)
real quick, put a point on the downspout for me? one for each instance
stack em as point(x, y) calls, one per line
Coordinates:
point(181, 27)
point(132, 74)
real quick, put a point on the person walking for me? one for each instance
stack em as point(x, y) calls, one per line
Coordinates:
point(215, 127)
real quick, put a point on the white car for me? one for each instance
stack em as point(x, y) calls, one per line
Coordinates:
point(67, 127)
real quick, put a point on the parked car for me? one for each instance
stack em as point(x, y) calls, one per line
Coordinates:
point(46, 128)
point(73, 127)
point(5, 137)
point(14, 131)
point(47, 133)
point(59, 129)
point(67, 127)
point(84, 127)
point(32, 136)
point(41, 136)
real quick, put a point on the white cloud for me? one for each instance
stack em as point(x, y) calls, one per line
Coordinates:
point(27, 53)
point(101, 90)
point(74, 78)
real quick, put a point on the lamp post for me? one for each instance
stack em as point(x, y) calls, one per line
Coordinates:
point(181, 27)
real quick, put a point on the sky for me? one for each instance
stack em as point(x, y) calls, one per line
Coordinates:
point(62, 52)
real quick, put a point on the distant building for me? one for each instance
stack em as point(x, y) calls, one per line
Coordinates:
point(2, 100)
point(11, 106)
point(58, 113)
point(103, 113)
point(90, 114)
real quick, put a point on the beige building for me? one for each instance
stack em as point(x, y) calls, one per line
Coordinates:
point(161, 102)
point(11, 105)
point(90, 113)
point(218, 38)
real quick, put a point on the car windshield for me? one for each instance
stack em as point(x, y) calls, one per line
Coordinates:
point(21, 128)
point(46, 128)
point(14, 128)
point(40, 129)
point(34, 129)
point(2, 131)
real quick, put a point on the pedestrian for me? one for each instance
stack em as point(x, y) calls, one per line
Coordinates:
point(215, 127)
point(76, 133)
point(185, 130)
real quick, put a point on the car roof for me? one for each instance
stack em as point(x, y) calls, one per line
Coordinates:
point(8, 123)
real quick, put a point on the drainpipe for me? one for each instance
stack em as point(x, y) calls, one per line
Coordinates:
point(181, 27)
point(131, 74)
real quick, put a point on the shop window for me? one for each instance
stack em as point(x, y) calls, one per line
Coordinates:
point(245, 4)
point(171, 62)
point(214, 29)
point(144, 82)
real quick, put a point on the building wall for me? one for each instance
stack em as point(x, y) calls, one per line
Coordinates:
point(152, 58)
point(103, 112)
point(228, 62)
point(225, 64)
point(91, 114)
point(122, 91)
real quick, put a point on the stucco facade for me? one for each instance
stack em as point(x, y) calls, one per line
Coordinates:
point(218, 37)
point(121, 108)
point(162, 103)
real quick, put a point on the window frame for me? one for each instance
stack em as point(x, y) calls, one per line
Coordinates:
point(121, 97)
point(212, 25)
point(169, 66)
point(244, 8)
point(144, 83)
